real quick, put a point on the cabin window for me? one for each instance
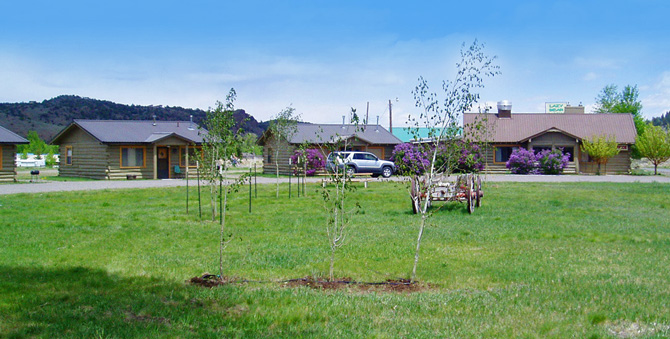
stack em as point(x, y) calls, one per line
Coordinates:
point(192, 156)
point(269, 155)
point(503, 153)
point(570, 150)
point(132, 157)
point(538, 149)
point(68, 155)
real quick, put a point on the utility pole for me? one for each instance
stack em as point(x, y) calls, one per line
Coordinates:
point(367, 113)
point(390, 117)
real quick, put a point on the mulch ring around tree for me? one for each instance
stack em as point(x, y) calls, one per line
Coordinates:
point(390, 285)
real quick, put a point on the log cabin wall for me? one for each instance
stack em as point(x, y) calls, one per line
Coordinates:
point(89, 156)
point(7, 162)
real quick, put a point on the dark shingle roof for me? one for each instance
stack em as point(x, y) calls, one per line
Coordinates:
point(522, 126)
point(329, 133)
point(136, 131)
point(9, 137)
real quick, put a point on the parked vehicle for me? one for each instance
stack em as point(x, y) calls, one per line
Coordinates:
point(359, 162)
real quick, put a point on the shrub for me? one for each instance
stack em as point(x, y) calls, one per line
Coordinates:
point(410, 159)
point(314, 158)
point(470, 160)
point(522, 161)
point(552, 161)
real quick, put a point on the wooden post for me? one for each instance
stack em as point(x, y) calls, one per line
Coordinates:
point(155, 162)
point(249, 189)
point(186, 178)
point(197, 169)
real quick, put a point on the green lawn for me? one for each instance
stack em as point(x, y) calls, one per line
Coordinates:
point(536, 260)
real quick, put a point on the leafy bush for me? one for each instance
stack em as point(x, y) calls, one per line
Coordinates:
point(410, 159)
point(522, 161)
point(415, 159)
point(471, 159)
point(314, 158)
point(552, 161)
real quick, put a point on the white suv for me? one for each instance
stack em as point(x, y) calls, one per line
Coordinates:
point(360, 162)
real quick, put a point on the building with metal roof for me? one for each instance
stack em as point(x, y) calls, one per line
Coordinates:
point(125, 149)
point(506, 131)
point(325, 137)
point(8, 142)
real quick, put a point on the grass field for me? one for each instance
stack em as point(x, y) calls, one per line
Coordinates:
point(536, 260)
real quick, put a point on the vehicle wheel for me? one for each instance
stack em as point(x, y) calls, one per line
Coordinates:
point(469, 192)
point(387, 172)
point(414, 196)
point(350, 171)
point(478, 198)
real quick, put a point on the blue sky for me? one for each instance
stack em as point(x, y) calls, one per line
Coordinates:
point(323, 57)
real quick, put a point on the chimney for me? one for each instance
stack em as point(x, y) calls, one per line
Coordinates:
point(154, 120)
point(190, 125)
point(343, 119)
point(574, 109)
point(504, 109)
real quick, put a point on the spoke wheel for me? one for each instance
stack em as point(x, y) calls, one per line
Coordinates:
point(478, 198)
point(470, 192)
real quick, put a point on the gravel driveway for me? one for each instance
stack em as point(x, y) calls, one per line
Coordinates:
point(120, 184)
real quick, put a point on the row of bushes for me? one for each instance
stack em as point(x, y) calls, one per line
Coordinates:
point(411, 159)
point(523, 161)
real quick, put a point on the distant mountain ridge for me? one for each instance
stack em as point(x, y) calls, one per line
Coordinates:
point(50, 116)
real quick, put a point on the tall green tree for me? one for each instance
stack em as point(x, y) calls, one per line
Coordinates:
point(283, 127)
point(627, 101)
point(221, 141)
point(36, 145)
point(442, 114)
point(654, 145)
point(663, 120)
point(600, 148)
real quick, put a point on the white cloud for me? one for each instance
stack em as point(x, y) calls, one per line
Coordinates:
point(658, 101)
point(590, 76)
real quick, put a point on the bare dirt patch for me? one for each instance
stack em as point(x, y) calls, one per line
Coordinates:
point(346, 283)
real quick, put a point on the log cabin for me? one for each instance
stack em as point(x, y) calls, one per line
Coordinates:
point(8, 142)
point(325, 137)
point(505, 131)
point(128, 149)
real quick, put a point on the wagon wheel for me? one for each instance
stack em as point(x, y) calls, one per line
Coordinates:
point(414, 195)
point(470, 182)
point(478, 198)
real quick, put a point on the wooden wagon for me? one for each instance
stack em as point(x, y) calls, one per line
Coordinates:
point(467, 188)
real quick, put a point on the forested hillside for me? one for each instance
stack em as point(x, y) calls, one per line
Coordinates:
point(50, 116)
point(663, 120)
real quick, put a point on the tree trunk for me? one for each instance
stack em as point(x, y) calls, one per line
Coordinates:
point(277, 170)
point(212, 199)
point(655, 169)
point(332, 262)
point(222, 241)
point(418, 247)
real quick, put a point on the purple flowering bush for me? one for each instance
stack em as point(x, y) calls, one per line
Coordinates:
point(413, 159)
point(410, 159)
point(522, 161)
point(552, 161)
point(470, 159)
point(314, 158)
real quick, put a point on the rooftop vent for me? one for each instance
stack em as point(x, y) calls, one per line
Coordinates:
point(504, 109)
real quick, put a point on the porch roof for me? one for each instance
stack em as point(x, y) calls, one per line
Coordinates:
point(9, 137)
